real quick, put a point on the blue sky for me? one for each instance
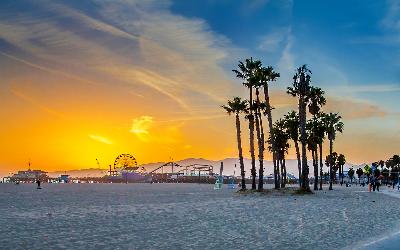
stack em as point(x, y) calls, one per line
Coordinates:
point(144, 74)
point(356, 37)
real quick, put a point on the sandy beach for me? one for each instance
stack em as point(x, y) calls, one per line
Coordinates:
point(190, 216)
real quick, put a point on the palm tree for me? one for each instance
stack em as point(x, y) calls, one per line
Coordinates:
point(260, 141)
point(237, 106)
point(333, 125)
point(320, 133)
point(301, 89)
point(291, 121)
point(359, 173)
point(266, 75)
point(246, 71)
point(312, 146)
point(341, 162)
point(332, 162)
point(258, 109)
point(316, 100)
point(280, 138)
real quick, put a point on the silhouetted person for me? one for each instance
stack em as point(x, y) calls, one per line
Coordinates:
point(38, 184)
point(373, 183)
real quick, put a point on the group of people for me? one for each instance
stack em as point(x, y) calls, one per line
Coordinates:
point(375, 183)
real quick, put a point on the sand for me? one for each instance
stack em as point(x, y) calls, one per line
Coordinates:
point(189, 216)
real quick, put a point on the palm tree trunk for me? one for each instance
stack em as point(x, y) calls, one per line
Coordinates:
point(320, 165)
point(260, 135)
point(296, 145)
point(330, 163)
point(260, 151)
point(278, 176)
point(251, 128)
point(303, 119)
point(342, 172)
point(284, 171)
point(313, 162)
point(316, 169)
point(269, 117)
point(240, 150)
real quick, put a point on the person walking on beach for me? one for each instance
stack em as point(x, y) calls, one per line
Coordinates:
point(373, 183)
point(378, 183)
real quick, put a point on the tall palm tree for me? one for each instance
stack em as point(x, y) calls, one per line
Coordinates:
point(238, 106)
point(312, 143)
point(333, 124)
point(292, 124)
point(316, 100)
point(267, 75)
point(320, 133)
point(259, 109)
point(301, 89)
point(260, 140)
point(247, 72)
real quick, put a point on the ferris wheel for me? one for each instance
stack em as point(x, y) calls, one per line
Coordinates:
point(125, 162)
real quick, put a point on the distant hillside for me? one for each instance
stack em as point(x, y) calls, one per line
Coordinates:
point(229, 167)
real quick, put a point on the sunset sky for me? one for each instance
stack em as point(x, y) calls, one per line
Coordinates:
point(81, 80)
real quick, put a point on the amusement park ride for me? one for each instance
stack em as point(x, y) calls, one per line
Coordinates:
point(126, 169)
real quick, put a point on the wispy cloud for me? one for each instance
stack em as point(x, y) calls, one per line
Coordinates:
point(355, 109)
point(140, 43)
point(272, 41)
point(392, 18)
point(99, 138)
point(286, 63)
point(25, 97)
point(372, 88)
point(389, 25)
point(140, 127)
point(146, 129)
point(256, 4)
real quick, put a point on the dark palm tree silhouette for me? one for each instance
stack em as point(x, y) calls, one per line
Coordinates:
point(280, 137)
point(259, 107)
point(291, 121)
point(247, 72)
point(238, 106)
point(316, 100)
point(334, 124)
point(312, 146)
point(320, 131)
point(331, 161)
point(267, 75)
point(301, 89)
point(341, 162)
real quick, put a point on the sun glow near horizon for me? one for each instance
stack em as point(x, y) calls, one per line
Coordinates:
point(149, 78)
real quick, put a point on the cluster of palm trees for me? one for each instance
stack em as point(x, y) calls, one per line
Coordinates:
point(389, 169)
point(307, 135)
point(337, 162)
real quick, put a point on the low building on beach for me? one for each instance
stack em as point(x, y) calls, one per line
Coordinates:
point(29, 176)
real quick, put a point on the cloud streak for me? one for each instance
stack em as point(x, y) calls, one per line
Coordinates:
point(99, 138)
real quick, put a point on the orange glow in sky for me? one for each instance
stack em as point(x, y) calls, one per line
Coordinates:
point(149, 83)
